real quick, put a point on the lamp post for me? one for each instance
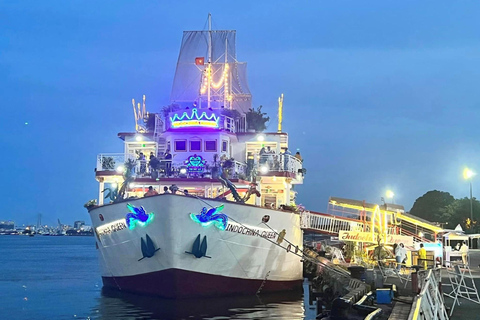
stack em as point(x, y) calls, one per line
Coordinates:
point(467, 175)
point(390, 194)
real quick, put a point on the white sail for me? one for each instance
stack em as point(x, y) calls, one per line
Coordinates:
point(228, 81)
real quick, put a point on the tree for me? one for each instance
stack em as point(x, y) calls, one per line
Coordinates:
point(232, 113)
point(256, 119)
point(458, 212)
point(432, 206)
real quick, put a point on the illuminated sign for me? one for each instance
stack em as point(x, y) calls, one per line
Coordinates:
point(194, 120)
point(137, 216)
point(211, 216)
point(371, 237)
point(111, 227)
point(195, 164)
point(357, 236)
point(395, 238)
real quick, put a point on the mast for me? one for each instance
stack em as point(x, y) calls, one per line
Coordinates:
point(209, 58)
point(280, 113)
point(225, 72)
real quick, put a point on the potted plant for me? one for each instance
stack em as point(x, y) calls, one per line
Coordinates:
point(256, 120)
point(108, 163)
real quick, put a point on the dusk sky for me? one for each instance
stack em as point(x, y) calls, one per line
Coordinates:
point(378, 95)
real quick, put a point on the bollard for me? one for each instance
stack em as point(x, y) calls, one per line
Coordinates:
point(415, 279)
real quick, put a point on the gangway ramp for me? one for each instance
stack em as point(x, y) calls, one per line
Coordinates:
point(360, 216)
point(325, 223)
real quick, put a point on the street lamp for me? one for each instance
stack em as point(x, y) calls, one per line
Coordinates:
point(390, 194)
point(468, 175)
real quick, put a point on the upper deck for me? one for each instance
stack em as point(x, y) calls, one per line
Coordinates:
point(193, 149)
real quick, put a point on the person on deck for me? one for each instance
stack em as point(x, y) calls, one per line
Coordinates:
point(263, 155)
point(286, 155)
point(150, 192)
point(168, 163)
point(400, 255)
point(298, 156)
point(270, 155)
point(143, 163)
point(165, 190)
point(154, 163)
point(464, 252)
point(422, 256)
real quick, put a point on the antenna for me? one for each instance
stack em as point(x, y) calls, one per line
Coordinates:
point(140, 113)
point(39, 221)
point(280, 113)
point(144, 111)
point(135, 114)
point(209, 57)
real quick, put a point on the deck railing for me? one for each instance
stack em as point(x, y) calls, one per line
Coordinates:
point(111, 161)
point(429, 304)
point(227, 123)
point(169, 168)
point(172, 168)
point(329, 224)
point(279, 163)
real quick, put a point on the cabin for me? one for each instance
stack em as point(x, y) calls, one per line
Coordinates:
point(208, 154)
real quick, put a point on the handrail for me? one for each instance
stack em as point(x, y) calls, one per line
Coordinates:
point(429, 303)
point(278, 163)
point(338, 217)
point(329, 224)
point(416, 238)
point(167, 168)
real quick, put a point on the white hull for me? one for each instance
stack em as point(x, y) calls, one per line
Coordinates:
point(241, 256)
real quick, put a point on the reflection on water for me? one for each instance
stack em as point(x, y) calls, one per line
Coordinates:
point(120, 305)
point(58, 278)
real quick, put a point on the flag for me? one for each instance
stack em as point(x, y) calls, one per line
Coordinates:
point(199, 61)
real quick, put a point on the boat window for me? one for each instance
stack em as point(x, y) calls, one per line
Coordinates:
point(211, 145)
point(224, 145)
point(195, 145)
point(180, 145)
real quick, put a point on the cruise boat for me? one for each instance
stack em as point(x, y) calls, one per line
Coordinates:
point(201, 201)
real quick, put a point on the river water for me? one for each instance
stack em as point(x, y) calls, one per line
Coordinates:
point(45, 277)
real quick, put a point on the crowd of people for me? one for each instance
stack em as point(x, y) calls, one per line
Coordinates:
point(154, 164)
point(281, 161)
point(173, 189)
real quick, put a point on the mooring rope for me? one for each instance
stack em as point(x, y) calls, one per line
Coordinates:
point(263, 283)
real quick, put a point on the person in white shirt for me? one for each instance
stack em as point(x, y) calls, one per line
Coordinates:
point(464, 252)
point(400, 255)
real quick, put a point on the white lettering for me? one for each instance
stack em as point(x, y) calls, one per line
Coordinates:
point(250, 231)
point(111, 227)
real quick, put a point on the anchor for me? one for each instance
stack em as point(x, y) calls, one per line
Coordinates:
point(148, 248)
point(199, 250)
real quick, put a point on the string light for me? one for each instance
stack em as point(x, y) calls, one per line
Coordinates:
point(208, 78)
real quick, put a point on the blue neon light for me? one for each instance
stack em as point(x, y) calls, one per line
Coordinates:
point(195, 164)
point(211, 216)
point(194, 120)
point(137, 216)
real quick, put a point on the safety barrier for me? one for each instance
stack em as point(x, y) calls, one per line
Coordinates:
point(429, 303)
